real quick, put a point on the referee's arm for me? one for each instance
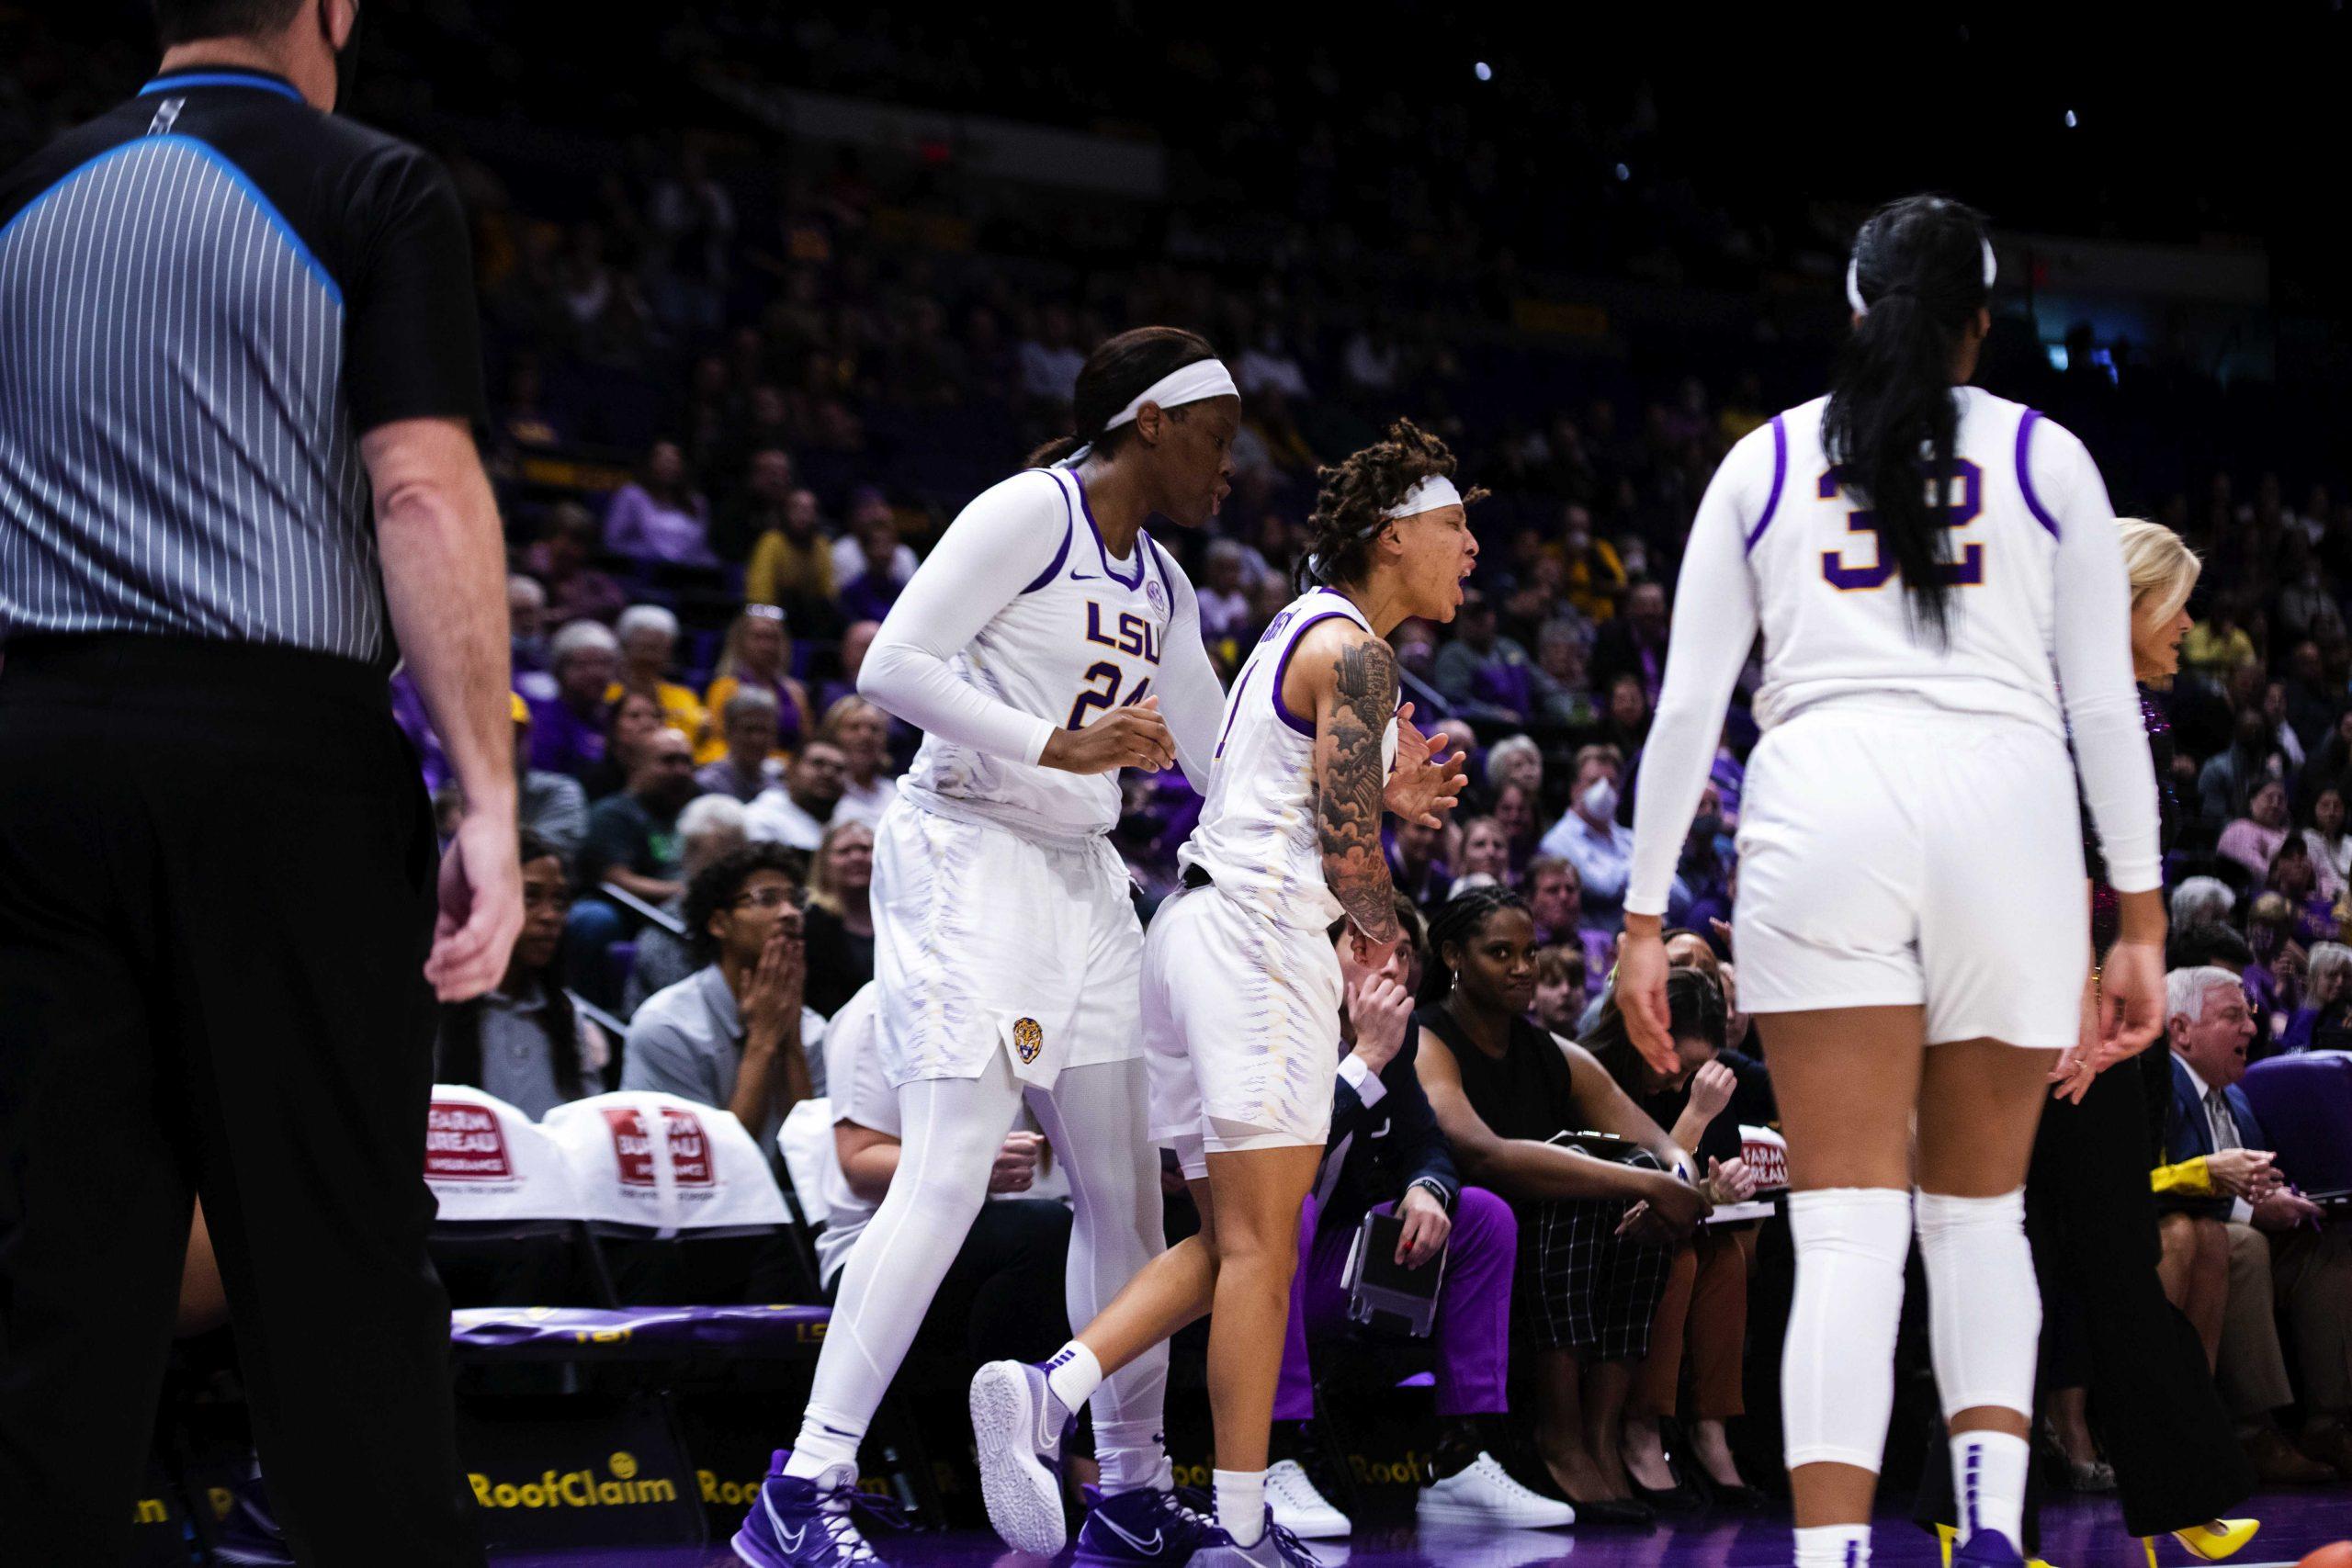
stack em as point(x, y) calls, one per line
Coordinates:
point(445, 579)
point(414, 383)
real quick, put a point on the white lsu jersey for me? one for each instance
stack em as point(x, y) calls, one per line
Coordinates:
point(1832, 605)
point(1083, 637)
point(1258, 839)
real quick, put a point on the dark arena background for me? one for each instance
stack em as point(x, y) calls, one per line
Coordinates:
point(769, 292)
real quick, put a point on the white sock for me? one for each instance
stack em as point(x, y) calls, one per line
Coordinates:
point(1241, 1504)
point(1837, 1364)
point(1988, 1481)
point(1132, 1454)
point(1073, 1374)
point(825, 1441)
point(1984, 1307)
point(1834, 1546)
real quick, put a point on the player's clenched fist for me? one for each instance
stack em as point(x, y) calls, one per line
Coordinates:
point(1130, 737)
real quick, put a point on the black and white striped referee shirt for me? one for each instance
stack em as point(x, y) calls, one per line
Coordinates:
point(206, 296)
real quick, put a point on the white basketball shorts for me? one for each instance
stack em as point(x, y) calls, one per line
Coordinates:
point(1895, 857)
point(1242, 1030)
point(985, 940)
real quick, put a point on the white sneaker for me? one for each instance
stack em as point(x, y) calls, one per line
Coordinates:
point(1298, 1507)
point(1482, 1492)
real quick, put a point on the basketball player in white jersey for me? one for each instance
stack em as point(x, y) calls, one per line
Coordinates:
point(1241, 999)
point(1046, 643)
point(1936, 575)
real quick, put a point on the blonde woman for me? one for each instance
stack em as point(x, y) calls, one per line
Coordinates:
point(758, 652)
point(839, 924)
point(862, 732)
point(2170, 1450)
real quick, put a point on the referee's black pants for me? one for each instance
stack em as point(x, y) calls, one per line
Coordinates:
point(215, 896)
point(2105, 1323)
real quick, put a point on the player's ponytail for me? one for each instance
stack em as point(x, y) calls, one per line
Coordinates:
point(1113, 376)
point(1922, 269)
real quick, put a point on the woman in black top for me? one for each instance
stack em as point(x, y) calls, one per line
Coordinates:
point(840, 932)
point(1594, 1234)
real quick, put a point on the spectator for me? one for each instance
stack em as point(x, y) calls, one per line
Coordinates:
point(839, 924)
point(1515, 815)
point(524, 1042)
point(869, 589)
point(568, 729)
point(1625, 724)
point(710, 827)
point(735, 1034)
point(1516, 761)
point(2218, 644)
point(1482, 675)
point(757, 656)
point(1560, 989)
point(1705, 1307)
point(1485, 849)
point(2324, 1020)
point(633, 845)
point(1560, 655)
point(2268, 1256)
point(792, 562)
point(797, 812)
point(1633, 643)
point(2281, 731)
point(1050, 361)
point(1596, 574)
point(1602, 1231)
point(855, 639)
point(1385, 1155)
point(863, 733)
point(2330, 845)
point(2201, 900)
point(1591, 839)
point(576, 591)
point(747, 721)
point(2228, 780)
point(631, 725)
point(1414, 867)
point(692, 224)
point(763, 505)
point(2312, 913)
point(2254, 839)
point(1002, 1295)
point(1554, 901)
point(549, 804)
point(648, 636)
point(1225, 614)
point(527, 635)
point(660, 515)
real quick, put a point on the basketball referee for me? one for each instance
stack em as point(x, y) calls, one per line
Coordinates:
point(238, 375)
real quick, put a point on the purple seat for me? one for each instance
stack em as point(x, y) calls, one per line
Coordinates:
point(2305, 1106)
point(638, 1334)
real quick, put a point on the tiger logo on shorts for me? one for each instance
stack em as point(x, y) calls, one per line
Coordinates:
point(1028, 1039)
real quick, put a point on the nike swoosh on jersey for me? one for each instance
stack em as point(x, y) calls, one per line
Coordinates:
point(1086, 576)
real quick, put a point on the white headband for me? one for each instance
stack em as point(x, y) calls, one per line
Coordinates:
point(1854, 282)
point(1193, 383)
point(1426, 496)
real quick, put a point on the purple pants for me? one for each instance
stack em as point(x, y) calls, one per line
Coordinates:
point(1473, 1328)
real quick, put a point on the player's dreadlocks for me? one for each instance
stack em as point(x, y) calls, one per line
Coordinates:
point(1358, 491)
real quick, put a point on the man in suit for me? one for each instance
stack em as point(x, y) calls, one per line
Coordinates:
point(1386, 1153)
point(2277, 1250)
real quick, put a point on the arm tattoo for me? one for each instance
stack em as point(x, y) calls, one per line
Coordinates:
point(1352, 777)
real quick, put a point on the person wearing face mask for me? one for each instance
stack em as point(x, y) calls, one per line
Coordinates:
point(1591, 839)
point(1595, 576)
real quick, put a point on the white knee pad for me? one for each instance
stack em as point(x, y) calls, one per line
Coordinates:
point(1837, 1366)
point(1984, 1305)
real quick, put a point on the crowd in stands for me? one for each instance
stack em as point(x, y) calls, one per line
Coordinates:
point(739, 387)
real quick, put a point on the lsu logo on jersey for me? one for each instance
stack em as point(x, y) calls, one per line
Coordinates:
point(1028, 1039)
point(1105, 680)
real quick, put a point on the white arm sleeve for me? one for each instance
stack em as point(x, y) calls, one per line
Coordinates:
point(994, 550)
point(2092, 634)
point(1191, 699)
point(1714, 625)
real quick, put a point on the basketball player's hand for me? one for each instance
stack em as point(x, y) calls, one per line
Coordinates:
point(1711, 1089)
point(2244, 1173)
point(1381, 1008)
point(1426, 1224)
point(1016, 1163)
point(1641, 992)
point(2131, 1008)
point(1423, 785)
point(1130, 737)
point(481, 908)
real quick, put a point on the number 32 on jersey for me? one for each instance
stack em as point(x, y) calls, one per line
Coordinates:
point(1963, 501)
point(1132, 635)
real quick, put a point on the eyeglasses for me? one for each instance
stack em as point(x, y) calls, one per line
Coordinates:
point(768, 899)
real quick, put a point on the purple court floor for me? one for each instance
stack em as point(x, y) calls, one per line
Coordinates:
point(2076, 1533)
